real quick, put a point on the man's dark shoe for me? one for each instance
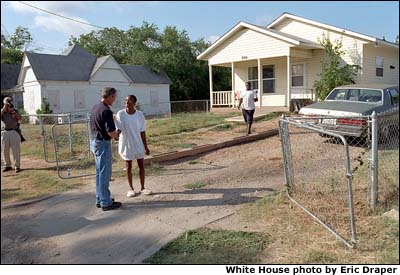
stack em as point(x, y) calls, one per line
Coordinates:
point(17, 170)
point(114, 205)
point(98, 204)
point(7, 169)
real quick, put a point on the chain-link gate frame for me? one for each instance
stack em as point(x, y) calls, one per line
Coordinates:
point(290, 177)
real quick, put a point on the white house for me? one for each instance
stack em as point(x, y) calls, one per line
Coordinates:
point(72, 82)
point(287, 55)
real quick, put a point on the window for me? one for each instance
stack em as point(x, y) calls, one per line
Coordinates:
point(154, 99)
point(253, 77)
point(268, 79)
point(79, 99)
point(298, 75)
point(268, 75)
point(53, 98)
point(394, 96)
point(379, 66)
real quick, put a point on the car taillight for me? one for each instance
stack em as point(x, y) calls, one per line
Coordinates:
point(351, 121)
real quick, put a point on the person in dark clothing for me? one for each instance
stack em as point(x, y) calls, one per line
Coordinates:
point(102, 129)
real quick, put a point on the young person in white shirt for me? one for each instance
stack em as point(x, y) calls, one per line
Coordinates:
point(246, 101)
point(132, 142)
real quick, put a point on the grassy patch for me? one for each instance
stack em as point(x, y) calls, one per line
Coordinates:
point(271, 116)
point(206, 246)
point(191, 162)
point(223, 127)
point(27, 185)
point(181, 123)
point(320, 257)
point(295, 238)
point(195, 185)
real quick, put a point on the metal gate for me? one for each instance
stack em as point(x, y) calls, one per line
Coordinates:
point(318, 176)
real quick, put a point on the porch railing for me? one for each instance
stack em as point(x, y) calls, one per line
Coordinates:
point(223, 98)
point(303, 94)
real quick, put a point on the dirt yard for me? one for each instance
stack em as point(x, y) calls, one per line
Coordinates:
point(230, 178)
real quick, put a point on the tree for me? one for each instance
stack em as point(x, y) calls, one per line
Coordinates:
point(12, 48)
point(333, 74)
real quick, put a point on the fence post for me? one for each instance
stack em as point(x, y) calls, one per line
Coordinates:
point(374, 160)
point(70, 132)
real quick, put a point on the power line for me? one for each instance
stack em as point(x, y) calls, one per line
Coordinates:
point(77, 21)
point(4, 29)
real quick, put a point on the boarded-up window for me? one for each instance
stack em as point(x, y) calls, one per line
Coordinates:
point(53, 97)
point(154, 99)
point(379, 66)
point(79, 99)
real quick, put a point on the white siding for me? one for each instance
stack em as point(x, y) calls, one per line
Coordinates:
point(32, 97)
point(107, 75)
point(248, 43)
point(29, 75)
point(352, 46)
point(390, 56)
point(110, 71)
point(91, 94)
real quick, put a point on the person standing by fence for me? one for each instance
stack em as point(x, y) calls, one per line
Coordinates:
point(132, 143)
point(247, 99)
point(102, 129)
point(10, 137)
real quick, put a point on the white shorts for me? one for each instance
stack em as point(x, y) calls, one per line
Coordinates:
point(132, 157)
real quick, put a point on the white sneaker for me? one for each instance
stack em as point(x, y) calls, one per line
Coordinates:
point(147, 192)
point(131, 194)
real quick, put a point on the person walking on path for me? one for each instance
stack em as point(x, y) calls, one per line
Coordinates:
point(132, 142)
point(10, 137)
point(246, 101)
point(102, 129)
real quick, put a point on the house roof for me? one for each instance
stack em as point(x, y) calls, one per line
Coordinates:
point(77, 64)
point(142, 74)
point(294, 40)
point(9, 76)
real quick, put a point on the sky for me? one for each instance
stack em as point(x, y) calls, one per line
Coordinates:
point(201, 19)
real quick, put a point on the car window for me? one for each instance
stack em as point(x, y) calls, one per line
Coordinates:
point(370, 95)
point(362, 95)
point(394, 96)
point(337, 94)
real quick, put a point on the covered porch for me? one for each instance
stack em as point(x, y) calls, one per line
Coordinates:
point(283, 78)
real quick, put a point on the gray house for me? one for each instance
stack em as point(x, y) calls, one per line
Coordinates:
point(9, 79)
point(72, 81)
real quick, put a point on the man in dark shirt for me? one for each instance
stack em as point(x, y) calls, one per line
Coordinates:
point(102, 130)
point(9, 135)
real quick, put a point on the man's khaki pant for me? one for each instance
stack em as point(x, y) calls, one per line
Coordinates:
point(11, 139)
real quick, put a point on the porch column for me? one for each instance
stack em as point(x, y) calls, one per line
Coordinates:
point(233, 84)
point(260, 83)
point(288, 94)
point(211, 86)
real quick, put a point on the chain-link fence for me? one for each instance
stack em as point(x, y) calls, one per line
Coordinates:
point(339, 167)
